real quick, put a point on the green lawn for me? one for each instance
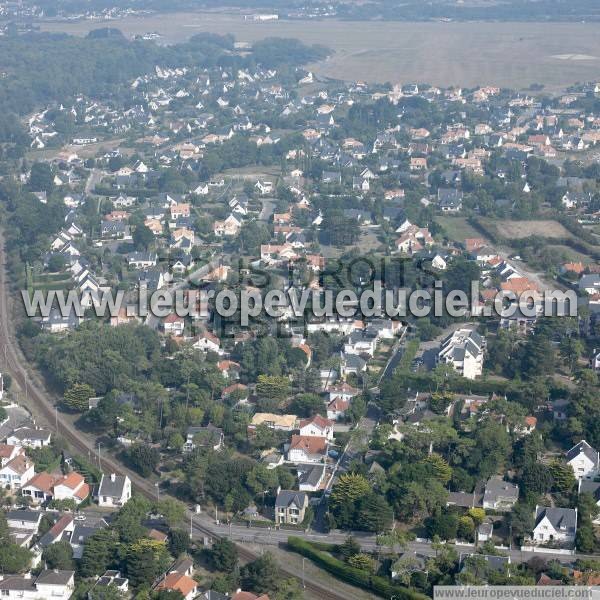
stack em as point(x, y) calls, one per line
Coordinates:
point(457, 228)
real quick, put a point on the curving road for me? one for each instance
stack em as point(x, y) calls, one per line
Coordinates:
point(43, 406)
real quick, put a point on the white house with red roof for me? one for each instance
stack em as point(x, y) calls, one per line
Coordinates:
point(173, 324)
point(317, 426)
point(343, 391)
point(71, 487)
point(207, 342)
point(337, 408)
point(307, 449)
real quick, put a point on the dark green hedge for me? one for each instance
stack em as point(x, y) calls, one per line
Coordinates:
point(379, 585)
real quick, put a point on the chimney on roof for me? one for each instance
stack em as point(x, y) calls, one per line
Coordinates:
point(113, 477)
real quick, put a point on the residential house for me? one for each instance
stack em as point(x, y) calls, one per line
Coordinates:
point(317, 426)
point(178, 582)
point(584, 460)
point(16, 472)
point(463, 350)
point(554, 524)
point(48, 584)
point(39, 488)
point(499, 494)
point(114, 490)
point(290, 507)
point(30, 437)
point(112, 579)
point(24, 519)
point(336, 408)
point(307, 449)
point(203, 437)
point(173, 324)
point(71, 487)
point(273, 421)
point(310, 477)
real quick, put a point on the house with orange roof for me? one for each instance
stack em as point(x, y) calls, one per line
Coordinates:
point(336, 408)
point(39, 488)
point(71, 487)
point(307, 449)
point(316, 426)
point(248, 596)
point(17, 472)
point(178, 582)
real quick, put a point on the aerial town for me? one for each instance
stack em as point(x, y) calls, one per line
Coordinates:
point(153, 454)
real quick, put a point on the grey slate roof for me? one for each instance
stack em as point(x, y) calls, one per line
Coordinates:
point(585, 448)
point(497, 488)
point(312, 475)
point(590, 487)
point(111, 488)
point(54, 577)
point(564, 519)
point(286, 498)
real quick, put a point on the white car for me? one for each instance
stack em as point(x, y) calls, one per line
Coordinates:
point(80, 517)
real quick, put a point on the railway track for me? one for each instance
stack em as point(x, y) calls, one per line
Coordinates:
point(45, 407)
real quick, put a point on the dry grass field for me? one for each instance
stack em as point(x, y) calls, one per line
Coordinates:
point(523, 229)
point(466, 54)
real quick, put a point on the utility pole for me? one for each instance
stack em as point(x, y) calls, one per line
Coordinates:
point(191, 526)
point(303, 580)
point(56, 418)
point(99, 456)
point(157, 486)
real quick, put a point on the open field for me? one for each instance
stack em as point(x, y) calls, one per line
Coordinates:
point(467, 54)
point(457, 228)
point(523, 229)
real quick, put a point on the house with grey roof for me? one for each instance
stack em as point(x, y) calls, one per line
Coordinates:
point(463, 350)
point(553, 524)
point(499, 494)
point(310, 477)
point(114, 490)
point(584, 460)
point(48, 584)
point(290, 507)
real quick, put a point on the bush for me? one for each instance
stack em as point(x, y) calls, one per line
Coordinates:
point(379, 585)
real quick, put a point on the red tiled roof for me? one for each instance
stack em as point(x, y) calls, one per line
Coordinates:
point(310, 444)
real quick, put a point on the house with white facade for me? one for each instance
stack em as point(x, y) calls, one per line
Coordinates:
point(584, 460)
point(48, 584)
point(307, 449)
point(114, 490)
point(554, 524)
point(317, 426)
point(463, 350)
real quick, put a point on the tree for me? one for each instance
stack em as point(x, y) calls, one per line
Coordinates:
point(59, 555)
point(41, 178)
point(563, 477)
point(466, 528)
point(145, 560)
point(179, 542)
point(224, 555)
point(375, 513)
point(274, 387)
point(77, 397)
point(14, 558)
point(99, 551)
point(349, 548)
point(172, 510)
point(477, 514)
point(144, 459)
point(261, 576)
point(363, 562)
point(443, 525)
point(105, 592)
point(142, 237)
point(442, 471)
